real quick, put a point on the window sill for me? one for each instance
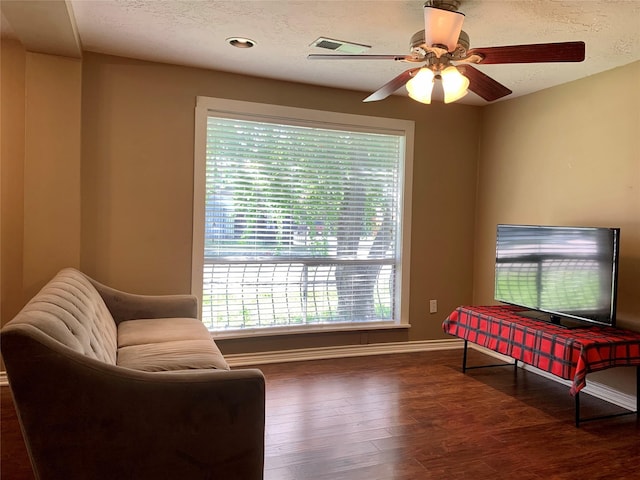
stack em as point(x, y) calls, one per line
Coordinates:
point(297, 330)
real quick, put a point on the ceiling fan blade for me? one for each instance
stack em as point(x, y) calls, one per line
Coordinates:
point(534, 53)
point(390, 87)
point(482, 84)
point(322, 56)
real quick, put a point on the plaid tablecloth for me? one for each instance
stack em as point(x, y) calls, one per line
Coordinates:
point(567, 353)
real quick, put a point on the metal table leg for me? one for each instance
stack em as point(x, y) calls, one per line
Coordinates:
point(464, 361)
point(601, 417)
point(464, 357)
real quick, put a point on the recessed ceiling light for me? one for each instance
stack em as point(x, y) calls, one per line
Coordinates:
point(241, 42)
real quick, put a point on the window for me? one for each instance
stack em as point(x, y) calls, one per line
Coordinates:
point(300, 217)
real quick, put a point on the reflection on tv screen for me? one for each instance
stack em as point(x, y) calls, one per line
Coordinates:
point(563, 270)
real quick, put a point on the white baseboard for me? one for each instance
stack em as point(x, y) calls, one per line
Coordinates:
point(321, 353)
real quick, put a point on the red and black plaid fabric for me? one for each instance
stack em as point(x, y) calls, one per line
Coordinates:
point(569, 354)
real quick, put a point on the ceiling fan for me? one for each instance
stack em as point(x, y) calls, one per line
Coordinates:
point(443, 48)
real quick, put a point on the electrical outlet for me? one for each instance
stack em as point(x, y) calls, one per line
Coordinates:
point(433, 306)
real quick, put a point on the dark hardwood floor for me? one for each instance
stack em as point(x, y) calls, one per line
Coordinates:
point(14, 461)
point(416, 416)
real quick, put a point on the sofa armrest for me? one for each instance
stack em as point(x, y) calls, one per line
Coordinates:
point(128, 306)
point(86, 419)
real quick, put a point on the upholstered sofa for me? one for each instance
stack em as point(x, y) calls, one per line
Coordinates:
point(111, 385)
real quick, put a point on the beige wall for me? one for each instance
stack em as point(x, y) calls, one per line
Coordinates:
point(51, 168)
point(106, 181)
point(12, 111)
point(569, 155)
point(40, 171)
point(137, 182)
point(129, 192)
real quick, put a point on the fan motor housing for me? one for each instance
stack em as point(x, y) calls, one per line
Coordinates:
point(418, 46)
point(451, 5)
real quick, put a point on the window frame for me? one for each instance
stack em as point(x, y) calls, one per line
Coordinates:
point(251, 111)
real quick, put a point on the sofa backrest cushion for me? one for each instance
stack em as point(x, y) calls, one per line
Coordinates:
point(70, 310)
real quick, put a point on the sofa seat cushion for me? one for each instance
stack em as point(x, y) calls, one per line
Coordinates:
point(167, 344)
point(170, 356)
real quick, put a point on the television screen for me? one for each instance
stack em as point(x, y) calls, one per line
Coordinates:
point(565, 272)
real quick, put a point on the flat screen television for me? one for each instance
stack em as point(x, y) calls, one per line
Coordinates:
point(564, 275)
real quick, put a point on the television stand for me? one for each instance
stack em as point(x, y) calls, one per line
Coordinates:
point(557, 320)
point(566, 353)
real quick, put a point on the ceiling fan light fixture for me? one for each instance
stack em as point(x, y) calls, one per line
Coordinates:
point(454, 84)
point(421, 85)
point(442, 27)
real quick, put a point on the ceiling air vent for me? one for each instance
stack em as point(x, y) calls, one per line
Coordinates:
point(340, 45)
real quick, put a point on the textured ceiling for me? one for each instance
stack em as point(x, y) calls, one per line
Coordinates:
point(193, 33)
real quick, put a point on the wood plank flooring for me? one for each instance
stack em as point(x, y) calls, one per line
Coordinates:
point(14, 461)
point(416, 416)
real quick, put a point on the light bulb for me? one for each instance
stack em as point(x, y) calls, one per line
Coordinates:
point(454, 84)
point(421, 85)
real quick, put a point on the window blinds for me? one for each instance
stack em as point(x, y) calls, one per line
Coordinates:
point(301, 224)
